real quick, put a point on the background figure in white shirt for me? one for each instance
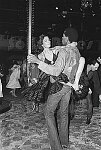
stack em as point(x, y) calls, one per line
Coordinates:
point(13, 82)
point(1, 93)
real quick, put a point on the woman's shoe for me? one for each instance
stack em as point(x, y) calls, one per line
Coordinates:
point(14, 95)
point(64, 147)
point(11, 92)
point(37, 108)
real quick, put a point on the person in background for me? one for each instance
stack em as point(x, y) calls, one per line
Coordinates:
point(92, 81)
point(13, 82)
point(23, 74)
point(99, 74)
point(67, 63)
point(1, 93)
point(94, 87)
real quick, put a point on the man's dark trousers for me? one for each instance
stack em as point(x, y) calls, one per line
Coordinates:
point(62, 98)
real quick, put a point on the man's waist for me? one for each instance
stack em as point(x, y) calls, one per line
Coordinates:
point(61, 78)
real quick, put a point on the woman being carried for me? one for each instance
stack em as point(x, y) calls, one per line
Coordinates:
point(38, 92)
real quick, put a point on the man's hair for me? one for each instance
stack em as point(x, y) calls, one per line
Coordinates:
point(72, 34)
point(92, 61)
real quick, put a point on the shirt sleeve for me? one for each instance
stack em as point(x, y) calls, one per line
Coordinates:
point(56, 49)
point(56, 68)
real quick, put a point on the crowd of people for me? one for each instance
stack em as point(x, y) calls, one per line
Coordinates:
point(58, 77)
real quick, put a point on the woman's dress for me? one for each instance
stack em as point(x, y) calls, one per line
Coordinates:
point(39, 92)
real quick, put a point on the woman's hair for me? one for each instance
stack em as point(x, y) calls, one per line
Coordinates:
point(41, 37)
point(40, 43)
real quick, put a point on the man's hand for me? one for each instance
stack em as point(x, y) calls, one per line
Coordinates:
point(33, 59)
point(75, 86)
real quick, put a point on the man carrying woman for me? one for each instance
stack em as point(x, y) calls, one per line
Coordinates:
point(67, 63)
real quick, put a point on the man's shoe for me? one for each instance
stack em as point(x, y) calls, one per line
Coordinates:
point(88, 121)
point(64, 147)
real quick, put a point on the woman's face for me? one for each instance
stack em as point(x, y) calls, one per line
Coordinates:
point(46, 42)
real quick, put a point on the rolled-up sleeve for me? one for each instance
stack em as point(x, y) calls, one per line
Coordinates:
point(57, 68)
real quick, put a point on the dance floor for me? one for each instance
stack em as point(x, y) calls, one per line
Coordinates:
point(21, 128)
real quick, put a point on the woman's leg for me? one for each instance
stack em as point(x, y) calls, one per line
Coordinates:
point(71, 109)
point(89, 109)
point(13, 92)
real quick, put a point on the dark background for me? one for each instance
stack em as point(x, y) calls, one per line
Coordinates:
point(86, 21)
point(48, 19)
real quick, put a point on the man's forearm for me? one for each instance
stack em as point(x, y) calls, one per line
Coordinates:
point(56, 68)
point(49, 69)
point(80, 69)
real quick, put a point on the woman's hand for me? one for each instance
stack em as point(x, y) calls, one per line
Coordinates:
point(33, 59)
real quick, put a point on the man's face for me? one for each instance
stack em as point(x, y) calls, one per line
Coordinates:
point(95, 67)
point(65, 40)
